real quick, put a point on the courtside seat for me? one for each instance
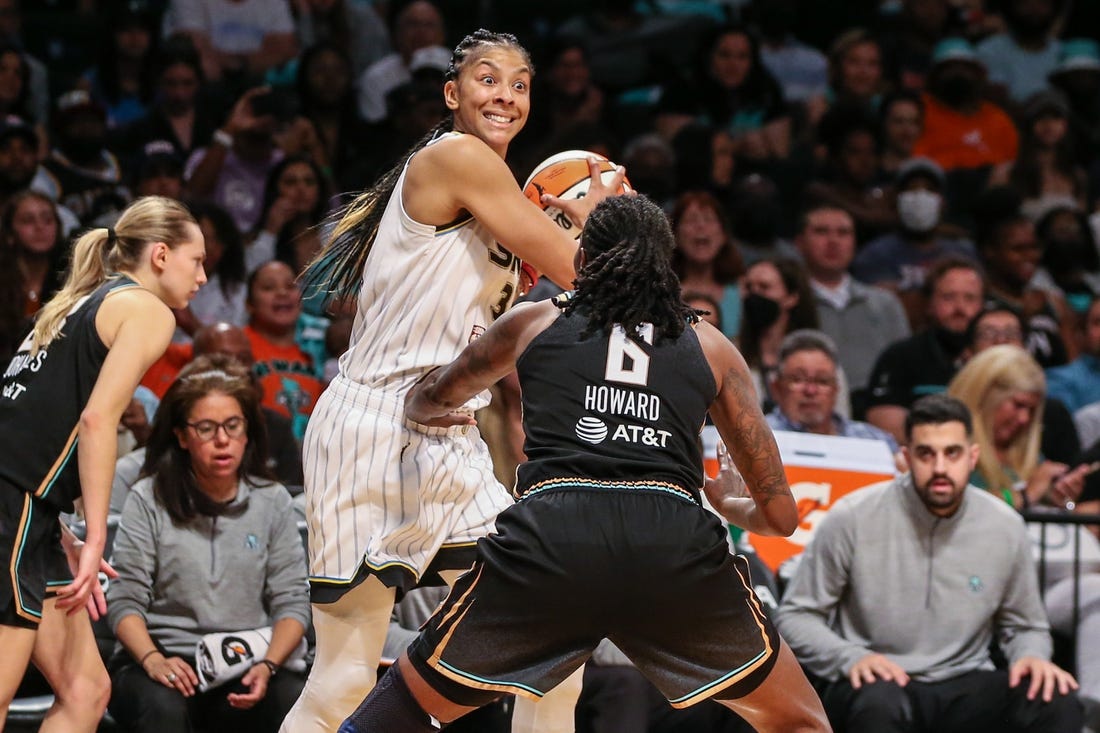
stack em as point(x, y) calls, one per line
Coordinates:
point(29, 710)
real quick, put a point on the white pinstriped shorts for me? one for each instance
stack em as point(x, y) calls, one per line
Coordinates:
point(385, 497)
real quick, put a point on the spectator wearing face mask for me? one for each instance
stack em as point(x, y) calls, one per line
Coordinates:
point(899, 260)
point(777, 299)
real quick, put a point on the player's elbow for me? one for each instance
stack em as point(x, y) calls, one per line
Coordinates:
point(91, 421)
point(782, 517)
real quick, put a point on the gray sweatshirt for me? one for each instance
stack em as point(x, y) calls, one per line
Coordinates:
point(883, 574)
point(244, 570)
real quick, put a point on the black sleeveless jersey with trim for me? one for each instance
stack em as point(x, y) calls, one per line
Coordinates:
point(608, 410)
point(41, 398)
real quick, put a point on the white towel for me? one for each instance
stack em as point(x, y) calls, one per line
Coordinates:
point(226, 656)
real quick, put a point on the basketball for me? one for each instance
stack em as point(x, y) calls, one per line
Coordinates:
point(565, 175)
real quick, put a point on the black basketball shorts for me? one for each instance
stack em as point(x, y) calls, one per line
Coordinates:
point(565, 568)
point(31, 558)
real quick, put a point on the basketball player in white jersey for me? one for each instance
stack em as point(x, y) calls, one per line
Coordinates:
point(389, 505)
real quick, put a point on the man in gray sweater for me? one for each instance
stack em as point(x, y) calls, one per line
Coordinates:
point(897, 598)
point(862, 320)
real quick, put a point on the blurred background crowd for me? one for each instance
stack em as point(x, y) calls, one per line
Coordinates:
point(918, 180)
point(942, 127)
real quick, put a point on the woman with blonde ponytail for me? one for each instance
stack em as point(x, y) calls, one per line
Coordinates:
point(432, 254)
point(61, 398)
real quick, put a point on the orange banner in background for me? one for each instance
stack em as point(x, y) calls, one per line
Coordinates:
point(820, 470)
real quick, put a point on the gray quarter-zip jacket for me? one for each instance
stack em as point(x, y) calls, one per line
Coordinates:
point(883, 574)
point(239, 571)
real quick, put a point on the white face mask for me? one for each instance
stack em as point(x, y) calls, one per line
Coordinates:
point(919, 211)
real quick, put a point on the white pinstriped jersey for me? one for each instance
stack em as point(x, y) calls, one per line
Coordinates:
point(426, 293)
point(381, 496)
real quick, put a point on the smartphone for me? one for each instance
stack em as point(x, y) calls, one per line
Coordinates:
point(278, 103)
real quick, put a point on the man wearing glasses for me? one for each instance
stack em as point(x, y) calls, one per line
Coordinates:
point(805, 388)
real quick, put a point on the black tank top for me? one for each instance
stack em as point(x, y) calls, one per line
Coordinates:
point(610, 411)
point(41, 398)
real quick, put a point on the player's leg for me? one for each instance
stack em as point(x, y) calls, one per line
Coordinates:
point(66, 653)
point(17, 644)
point(403, 701)
point(340, 476)
point(706, 633)
point(30, 554)
point(350, 634)
point(783, 701)
point(555, 712)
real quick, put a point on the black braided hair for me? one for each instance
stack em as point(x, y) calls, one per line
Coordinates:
point(337, 270)
point(628, 278)
point(479, 39)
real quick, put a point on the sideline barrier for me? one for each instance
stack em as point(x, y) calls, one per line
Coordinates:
point(1063, 546)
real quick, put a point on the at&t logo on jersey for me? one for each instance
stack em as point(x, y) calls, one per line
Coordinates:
point(591, 430)
point(594, 430)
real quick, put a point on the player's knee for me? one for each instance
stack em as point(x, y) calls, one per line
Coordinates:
point(86, 695)
point(328, 704)
point(390, 706)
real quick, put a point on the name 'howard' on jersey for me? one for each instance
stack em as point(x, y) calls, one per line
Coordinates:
point(609, 408)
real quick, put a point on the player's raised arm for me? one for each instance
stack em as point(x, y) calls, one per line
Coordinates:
point(771, 510)
point(434, 399)
point(477, 180)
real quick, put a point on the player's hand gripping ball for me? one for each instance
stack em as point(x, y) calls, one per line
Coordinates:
point(566, 176)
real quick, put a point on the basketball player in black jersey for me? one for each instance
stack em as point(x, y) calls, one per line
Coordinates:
point(608, 538)
point(61, 399)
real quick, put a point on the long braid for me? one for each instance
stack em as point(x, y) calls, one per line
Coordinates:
point(628, 279)
point(337, 270)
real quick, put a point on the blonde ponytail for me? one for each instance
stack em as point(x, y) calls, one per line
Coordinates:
point(87, 270)
point(99, 253)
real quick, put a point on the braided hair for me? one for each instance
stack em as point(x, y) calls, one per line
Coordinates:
point(337, 270)
point(628, 278)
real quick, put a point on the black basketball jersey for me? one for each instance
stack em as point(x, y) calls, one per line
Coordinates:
point(608, 409)
point(41, 398)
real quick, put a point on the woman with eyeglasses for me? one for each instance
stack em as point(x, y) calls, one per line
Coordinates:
point(206, 544)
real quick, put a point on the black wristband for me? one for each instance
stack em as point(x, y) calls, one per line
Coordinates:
point(271, 666)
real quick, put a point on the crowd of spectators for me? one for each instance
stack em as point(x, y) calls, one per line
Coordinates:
point(867, 195)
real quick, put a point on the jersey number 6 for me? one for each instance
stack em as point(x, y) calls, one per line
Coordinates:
point(627, 363)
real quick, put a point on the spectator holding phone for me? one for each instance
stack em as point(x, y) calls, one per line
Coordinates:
point(260, 131)
point(1004, 388)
